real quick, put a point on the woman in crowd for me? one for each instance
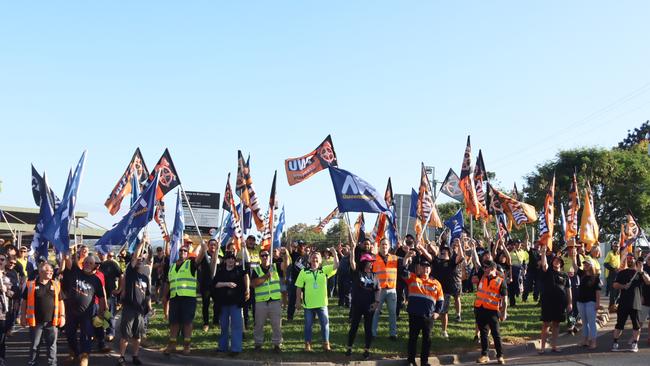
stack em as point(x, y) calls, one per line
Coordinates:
point(588, 299)
point(556, 299)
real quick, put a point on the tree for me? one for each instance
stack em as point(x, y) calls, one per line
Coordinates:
point(635, 137)
point(304, 232)
point(620, 179)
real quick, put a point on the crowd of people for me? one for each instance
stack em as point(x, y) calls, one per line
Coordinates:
point(82, 293)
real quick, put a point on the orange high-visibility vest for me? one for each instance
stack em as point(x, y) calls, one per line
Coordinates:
point(386, 271)
point(488, 293)
point(426, 288)
point(30, 313)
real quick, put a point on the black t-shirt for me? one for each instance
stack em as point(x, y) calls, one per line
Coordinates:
point(205, 276)
point(444, 271)
point(298, 263)
point(157, 267)
point(626, 297)
point(80, 289)
point(364, 287)
point(112, 273)
point(43, 301)
point(136, 290)
point(534, 257)
point(588, 287)
point(555, 285)
point(645, 291)
point(227, 295)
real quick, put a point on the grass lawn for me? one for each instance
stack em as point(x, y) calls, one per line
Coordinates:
point(522, 324)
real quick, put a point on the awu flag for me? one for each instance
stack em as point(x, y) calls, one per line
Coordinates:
point(455, 224)
point(588, 225)
point(136, 168)
point(413, 206)
point(385, 220)
point(302, 168)
point(360, 228)
point(480, 177)
point(574, 206)
point(321, 225)
point(139, 215)
point(37, 183)
point(246, 192)
point(354, 194)
point(518, 212)
point(502, 227)
point(450, 186)
point(168, 178)
point(492, 201)
point(466, 185)
point(39, 243)
point(277, 234)
point(425, 204)
point(547, 217)
point(630, 231)
point(57, 229)
point(177, 233)
point(267, 233)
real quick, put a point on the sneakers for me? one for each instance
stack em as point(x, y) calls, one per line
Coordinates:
point(458, 318)
point(483, 359)
point(326, 346)
point(445, 335)
point(634, 347)
point(501, 360)
point(308, 347)
point(171, 347)
point(615, 347)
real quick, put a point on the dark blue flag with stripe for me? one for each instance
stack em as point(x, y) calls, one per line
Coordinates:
point(455, 224)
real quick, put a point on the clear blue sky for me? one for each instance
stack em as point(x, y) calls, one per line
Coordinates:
point(395, 83)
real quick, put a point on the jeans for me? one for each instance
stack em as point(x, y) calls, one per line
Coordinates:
point(588, 314)
point(417, 324)
point(43, 332)
point(488, 319)
point(291, 307)
point(390, 297)
point(82, 321)
point(324, 320)
point(232, 328)
point(112, 307)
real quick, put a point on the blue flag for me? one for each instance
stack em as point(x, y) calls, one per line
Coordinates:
point(139, 215)
point(57, 229)
point(179, 227)
point(135, 193)
point(277, 234)
point(227, 231)
point(45, 199)
point(413, 208)
point(455, 224)
point(354, 194)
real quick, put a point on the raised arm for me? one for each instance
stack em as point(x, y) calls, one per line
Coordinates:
point(542, 250)
point(353, 257)
point(335, 258)
point(201, 254)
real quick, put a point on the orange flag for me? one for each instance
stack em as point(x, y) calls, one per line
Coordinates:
point(546, 222)
point(466, 185)
point(572, 216)
point(588, 225)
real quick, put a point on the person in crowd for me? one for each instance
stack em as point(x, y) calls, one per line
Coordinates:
point(182, 277)
point(645, 294)
point(205, 276)
point(365, 299)
point(43, 311)
point(344, 276)
point(533, 273)
point(573, 250)
point(386, 267)
point(112, 275)
point(80, 288)
point(251, 255)
point(278, 259)
point(21, 259)
point(156, 274)
point(588, 299)
point(7, 292)
point(311, 290)
point(519, 260)
point(402, 290)
point(425, 301)
point(612, 263)
point(135, 297)
point(16, 280)
point(594, 258)
point(556, 299)
point(490, 308)
point(232, 284)
point(299, 261)
point(443, 267)
point(629, 281)
point(265, 279)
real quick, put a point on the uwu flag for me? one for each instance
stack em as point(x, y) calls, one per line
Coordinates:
point(302, 168)
point(354, 194)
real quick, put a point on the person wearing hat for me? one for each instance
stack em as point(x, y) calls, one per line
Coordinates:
point(612, 264)
point(490, 307)
point(182, 277)
point(81, 287)
point(629, 281)
point(312, 283)
point(299, 261)
point(425, 301)
point(365, 299)
point(587, 299)
point(556, 299)
point(444, 266)
point(265, 279)
point(232, 285)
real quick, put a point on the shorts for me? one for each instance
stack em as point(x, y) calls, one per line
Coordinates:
point(182, 309)
point(132, 324)
point(621, 318)
point(445, 304)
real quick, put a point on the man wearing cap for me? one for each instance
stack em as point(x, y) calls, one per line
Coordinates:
point(43, 312)
point(490, 307)
point(182, 297)
point(251, 255)
point(265, 280)
point(299, 261)
point(629, 282)
point(425, 301)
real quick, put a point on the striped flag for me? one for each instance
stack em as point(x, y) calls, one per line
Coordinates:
point(267, 233)
point(234, 218)
point(124, 185)
point(480, 177)
point(465, 183)
point(321, 225)
point(426, 209)
point(574, 205)
point(519, 213)
point(588, 225)
point(546, 219)
point(246, 191)
point(360, 228)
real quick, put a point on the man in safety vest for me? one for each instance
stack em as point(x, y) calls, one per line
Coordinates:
point(43, 312)
point(385, 269)
point(425, 300)
point(268, 296)
point(182, 297)
point(490, 308)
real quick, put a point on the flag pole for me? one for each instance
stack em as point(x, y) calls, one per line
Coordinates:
point(196, 225)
